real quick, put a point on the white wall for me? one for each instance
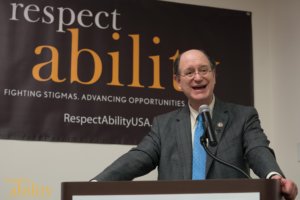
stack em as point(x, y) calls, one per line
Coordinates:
point(276, 42)
point(284, 51)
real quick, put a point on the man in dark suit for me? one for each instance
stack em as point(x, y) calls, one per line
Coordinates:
point(169, 147)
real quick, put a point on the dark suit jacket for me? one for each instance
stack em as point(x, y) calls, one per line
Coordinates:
point(168, 146)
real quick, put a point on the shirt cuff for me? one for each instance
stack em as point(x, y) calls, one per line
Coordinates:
point(272, 174)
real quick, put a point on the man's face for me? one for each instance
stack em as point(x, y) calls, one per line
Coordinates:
point(196, 78)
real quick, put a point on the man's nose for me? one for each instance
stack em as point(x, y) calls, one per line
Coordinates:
point(198, 76)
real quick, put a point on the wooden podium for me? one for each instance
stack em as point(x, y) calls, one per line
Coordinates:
point(265, 189)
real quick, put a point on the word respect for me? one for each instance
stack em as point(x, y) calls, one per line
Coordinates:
point(65, 16)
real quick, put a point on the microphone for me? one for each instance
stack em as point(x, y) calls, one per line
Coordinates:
point(210, 136)
point(209, 133)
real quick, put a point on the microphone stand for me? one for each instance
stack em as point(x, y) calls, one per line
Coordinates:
point(204, 142)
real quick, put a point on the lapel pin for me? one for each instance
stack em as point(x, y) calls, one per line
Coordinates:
point(220, 124)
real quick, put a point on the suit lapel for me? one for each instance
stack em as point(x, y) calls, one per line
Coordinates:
point(184, 141)
point(219, 122)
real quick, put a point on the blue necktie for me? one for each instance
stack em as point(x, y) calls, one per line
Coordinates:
point(199, 154)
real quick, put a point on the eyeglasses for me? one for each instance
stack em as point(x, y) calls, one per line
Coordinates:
point(191, 73)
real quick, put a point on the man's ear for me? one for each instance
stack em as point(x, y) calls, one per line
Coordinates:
point(214, 74)
point(177, 80)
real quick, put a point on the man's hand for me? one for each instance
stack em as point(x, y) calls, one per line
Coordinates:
point(288, 188)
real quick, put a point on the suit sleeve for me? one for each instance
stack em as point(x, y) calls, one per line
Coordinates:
point(260, 156)
point(138, 161)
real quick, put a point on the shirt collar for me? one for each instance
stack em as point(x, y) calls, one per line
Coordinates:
point(195, 113)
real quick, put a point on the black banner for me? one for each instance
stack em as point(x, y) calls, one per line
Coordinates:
point(98, 71)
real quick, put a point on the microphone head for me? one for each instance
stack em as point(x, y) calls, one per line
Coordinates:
point(204, 108)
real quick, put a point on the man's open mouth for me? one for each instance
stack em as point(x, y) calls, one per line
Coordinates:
point(199, 87)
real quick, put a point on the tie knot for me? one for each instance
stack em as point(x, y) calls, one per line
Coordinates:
point(199, 118)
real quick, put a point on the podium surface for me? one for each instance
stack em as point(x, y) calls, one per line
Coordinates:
point(266, 189)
